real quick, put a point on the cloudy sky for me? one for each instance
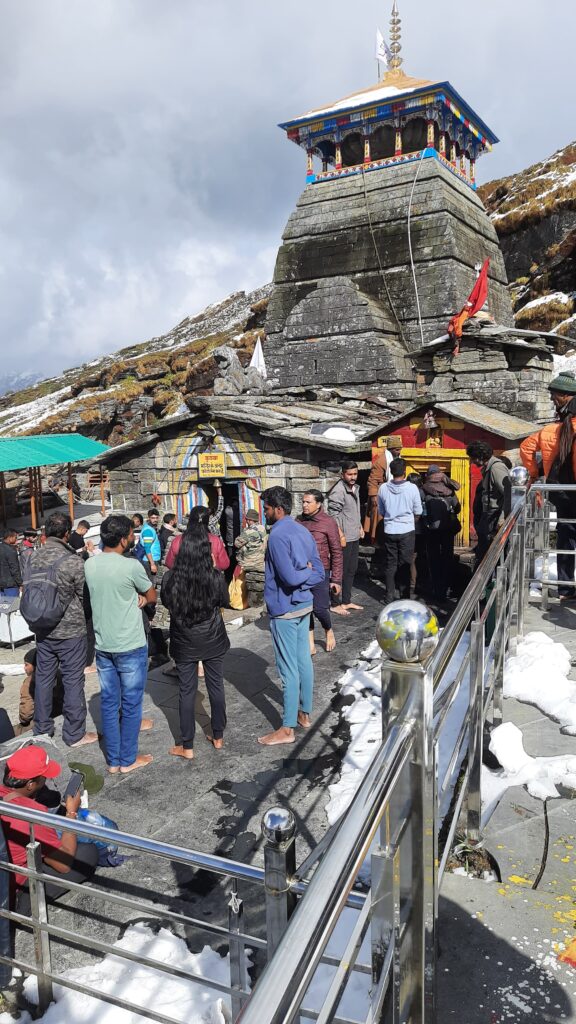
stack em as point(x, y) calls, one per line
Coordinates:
point(142, 174)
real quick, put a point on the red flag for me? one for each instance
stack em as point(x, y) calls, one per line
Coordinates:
point(474, 302)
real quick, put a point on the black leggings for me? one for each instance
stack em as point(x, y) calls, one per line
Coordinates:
point(188, 687)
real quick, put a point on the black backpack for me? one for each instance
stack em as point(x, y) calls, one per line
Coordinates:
point(41, 605)
point(441, 513)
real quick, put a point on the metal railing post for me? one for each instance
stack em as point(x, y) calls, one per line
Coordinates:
point(500, 655)
point(418, 978)
point(238, 970)
point(521, 571)
point(425, 849)
point(476, 730)
point(278, 829)
point(39, 915)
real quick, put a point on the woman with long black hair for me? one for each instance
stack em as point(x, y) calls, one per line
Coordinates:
point(194, 591)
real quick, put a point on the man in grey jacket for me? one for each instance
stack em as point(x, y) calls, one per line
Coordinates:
point(493, 495)
point(64, 646)
point(344, 507)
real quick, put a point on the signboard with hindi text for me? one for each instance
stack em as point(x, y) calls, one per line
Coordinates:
point(211, 464)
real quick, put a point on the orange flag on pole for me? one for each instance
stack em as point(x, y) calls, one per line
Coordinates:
point(475, 301)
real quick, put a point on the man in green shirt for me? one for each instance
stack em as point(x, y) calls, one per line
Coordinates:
point(119, 588)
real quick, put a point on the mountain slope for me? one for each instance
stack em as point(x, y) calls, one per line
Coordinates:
point(534, 213)
point(112, 398)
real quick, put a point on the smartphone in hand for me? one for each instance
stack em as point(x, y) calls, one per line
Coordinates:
point(75, 786)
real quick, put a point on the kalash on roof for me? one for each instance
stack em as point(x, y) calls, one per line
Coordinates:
point(397, 120)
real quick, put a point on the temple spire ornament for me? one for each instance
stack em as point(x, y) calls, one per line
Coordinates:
point(395, 39)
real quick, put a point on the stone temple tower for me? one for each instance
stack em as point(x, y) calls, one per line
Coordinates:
point(383, 245)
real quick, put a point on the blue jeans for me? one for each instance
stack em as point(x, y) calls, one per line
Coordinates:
point(294, 664)
point(122, 681)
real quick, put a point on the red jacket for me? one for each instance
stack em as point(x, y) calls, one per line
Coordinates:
point(221, 560)
point(324, 529)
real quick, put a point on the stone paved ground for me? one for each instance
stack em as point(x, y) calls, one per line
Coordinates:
point(215, 803)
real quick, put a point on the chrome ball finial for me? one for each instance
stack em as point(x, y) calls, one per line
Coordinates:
point(278, 825)
point(407, 631)
point(519, 476)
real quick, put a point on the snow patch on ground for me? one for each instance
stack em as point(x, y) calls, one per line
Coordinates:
point(364, 716)
point(538, 674)
point(186, 1001)
point(540, 775)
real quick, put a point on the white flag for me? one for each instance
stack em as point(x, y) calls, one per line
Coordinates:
point(383, 51)
point(257, 360)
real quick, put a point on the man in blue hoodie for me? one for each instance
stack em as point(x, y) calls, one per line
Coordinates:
point(400, 505)
point(292, 568)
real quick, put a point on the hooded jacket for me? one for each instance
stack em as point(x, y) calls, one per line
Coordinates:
point(398, 502)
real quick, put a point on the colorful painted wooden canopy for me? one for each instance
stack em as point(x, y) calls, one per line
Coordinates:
point(397, 120)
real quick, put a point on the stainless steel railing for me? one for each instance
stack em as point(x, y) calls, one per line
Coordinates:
point(398, 812)
point(424, 782)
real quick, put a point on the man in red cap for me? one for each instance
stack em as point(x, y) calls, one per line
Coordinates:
point(62, 856)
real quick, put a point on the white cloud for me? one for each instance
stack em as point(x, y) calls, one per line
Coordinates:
point(142, 173)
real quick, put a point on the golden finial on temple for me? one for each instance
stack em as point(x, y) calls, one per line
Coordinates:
point(395, 38)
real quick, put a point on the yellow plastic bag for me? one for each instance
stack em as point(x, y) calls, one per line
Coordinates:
point(238, 593)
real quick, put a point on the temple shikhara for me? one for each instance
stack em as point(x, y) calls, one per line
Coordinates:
point(382, 250)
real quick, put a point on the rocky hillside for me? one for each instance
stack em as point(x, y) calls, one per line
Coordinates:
point(534, 213)
point(112, 398)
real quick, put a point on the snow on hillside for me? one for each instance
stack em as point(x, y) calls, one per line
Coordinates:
point(26, 416)
point(529, 195)
point(111, 397)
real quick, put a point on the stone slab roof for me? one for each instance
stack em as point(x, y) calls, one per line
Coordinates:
point(320, 424)
point(493, 420)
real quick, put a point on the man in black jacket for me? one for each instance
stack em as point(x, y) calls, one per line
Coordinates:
point(10, 574)
point(64, 646)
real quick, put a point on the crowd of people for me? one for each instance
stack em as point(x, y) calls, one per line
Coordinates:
point(96, 598)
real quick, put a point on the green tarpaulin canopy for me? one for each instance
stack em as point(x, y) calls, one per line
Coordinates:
point(46, 450)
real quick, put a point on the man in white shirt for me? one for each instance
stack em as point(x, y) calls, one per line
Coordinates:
point(399, 505)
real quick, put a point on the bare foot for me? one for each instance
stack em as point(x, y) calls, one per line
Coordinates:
point(88, 737)
point(330, 640)
point(90, 669)
point(355, 607)
point(281, 735)
point(217, 744)
point(112, 769)
point(341, 609)
point(304, 720)
point(141, 762)
point(146, 724)
point(180, 751)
